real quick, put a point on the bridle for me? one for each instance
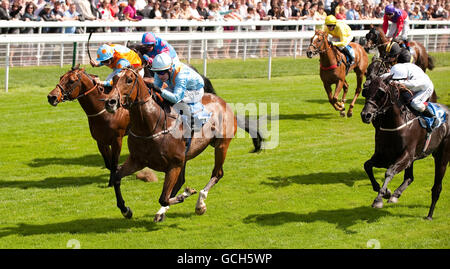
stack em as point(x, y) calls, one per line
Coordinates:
point(128, 102)
point(317, 49)
point(66, 95)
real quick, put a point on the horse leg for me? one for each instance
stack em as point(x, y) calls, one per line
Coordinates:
point(329, 91)
point(401, 164)
point(126, 169)
point(407, 180)
point(220, 153)
point(359, 81)
point(106, 154)
point(441, 159)
point(116, 148)
point(368, 167)
point(165, 200)
point(337, 91)
point(344, 96)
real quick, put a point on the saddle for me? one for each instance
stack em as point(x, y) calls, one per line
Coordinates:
point(441, 117)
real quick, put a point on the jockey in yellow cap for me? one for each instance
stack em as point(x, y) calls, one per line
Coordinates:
point(342, 36)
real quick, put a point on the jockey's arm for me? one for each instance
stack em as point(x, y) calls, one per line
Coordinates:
point(178, 92)
point(416, 84)
point(385, 24)
point(342, 38)
point(119, 66)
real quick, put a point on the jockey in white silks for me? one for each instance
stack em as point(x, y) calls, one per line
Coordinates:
point(413, 78)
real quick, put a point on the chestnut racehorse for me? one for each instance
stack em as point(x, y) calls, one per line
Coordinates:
point(400, 140)
point(156, 140)
point(377, 38)
point(333, 69)
point(107, 130)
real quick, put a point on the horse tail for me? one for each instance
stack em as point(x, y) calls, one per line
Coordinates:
point(251, 127)
point(208, 87)
point(430, 62)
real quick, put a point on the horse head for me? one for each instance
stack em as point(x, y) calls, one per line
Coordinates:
point(72, 85)
point(375, 69)
point(318, 44)
point(379, 98)
point(126, 90)
point(372, 39)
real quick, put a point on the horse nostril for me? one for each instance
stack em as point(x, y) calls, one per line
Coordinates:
point(51, 99)
point(112, 102)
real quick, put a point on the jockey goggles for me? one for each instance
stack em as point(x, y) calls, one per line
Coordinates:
point(162, 72)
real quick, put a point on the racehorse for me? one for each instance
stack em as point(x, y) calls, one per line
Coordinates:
point(333, 71)
point(376, 38)
point(107, 130)
point(156, 140)
point(400, 140)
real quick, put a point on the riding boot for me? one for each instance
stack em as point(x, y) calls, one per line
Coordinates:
point(428, 112)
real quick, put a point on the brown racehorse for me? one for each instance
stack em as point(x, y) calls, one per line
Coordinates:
point(400, 140)
point(333, 69)
point(156, 140)
point(108, 130)
point(377, 38)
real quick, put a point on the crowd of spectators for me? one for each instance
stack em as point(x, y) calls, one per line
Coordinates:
point(136, 10)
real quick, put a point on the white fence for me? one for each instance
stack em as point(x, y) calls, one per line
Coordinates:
point(191, 39)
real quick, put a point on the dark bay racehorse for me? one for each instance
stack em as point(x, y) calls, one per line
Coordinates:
point(377, 38)
point(107, 130)
point(156, 140)
point(333, 69)
point(400, 140)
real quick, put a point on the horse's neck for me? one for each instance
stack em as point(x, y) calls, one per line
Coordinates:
point(396, 116)
point(146, 115)
point(90, 102)
point(328, 57)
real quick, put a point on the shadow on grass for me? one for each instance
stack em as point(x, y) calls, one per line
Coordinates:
point(91, 160)
point(56, 182)
point(82, 226)
point(347, 178)
point(343, 218)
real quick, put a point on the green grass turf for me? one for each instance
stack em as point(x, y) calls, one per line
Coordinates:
point(310, 191)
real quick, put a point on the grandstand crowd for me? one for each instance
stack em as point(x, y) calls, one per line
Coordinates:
point(200, 10)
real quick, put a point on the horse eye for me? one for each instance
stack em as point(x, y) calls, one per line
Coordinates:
point(380, 94)
point(129, 80)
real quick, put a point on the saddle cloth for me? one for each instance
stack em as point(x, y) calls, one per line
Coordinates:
point(352, 52)
point(441, 116)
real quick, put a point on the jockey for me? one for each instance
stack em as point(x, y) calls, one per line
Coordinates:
point(115, 57)
point(396, 54)
point(154, 45)
point(342, 32)
point(184, 87)
point(413, 78)
point(399, 23)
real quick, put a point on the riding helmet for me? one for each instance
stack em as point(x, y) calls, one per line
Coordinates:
point(148, 38)
point(393, 49)
point(161, 62)
point(104, 52)
point(330, 20)
point(389, 9)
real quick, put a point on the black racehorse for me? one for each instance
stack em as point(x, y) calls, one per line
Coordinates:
point(400, 140)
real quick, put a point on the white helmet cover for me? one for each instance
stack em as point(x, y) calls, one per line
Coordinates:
point(161, 62)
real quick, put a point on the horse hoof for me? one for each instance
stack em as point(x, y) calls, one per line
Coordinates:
point(128, 214)
point(159, 218)
point(349, 114)
point(200, 210)
point(393, 200)
point(377, 204)
point(428, 218)
point(342, 113)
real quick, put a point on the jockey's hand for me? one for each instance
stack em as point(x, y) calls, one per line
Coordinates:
point(97, 81)
point(157, 89)
point(94, 63)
